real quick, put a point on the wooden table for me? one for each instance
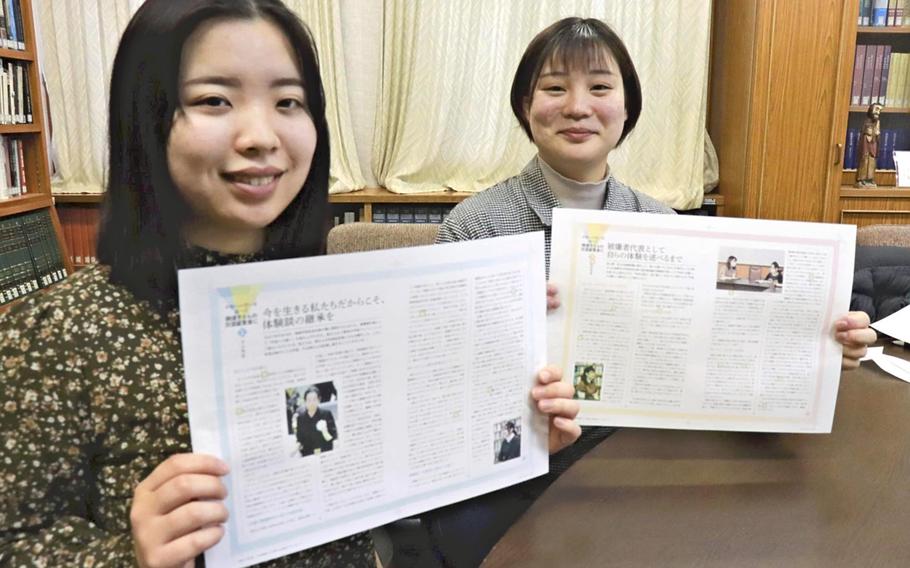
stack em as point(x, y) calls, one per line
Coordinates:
point(687, 498)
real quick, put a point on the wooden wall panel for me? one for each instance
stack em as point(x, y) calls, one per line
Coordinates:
point(732, 67)
point(778, 104)
point(802, 86)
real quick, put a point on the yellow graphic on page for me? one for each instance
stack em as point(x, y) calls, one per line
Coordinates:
point(594, 233)
point(244, 297)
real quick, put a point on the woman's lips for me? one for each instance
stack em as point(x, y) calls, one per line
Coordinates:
point(576, 134)
point(255, 187)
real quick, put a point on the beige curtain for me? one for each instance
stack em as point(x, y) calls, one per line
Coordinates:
point(77, 43)
point(323, 17)
point(444, 119)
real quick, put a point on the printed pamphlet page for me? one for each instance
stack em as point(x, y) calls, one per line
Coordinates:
point(348, 391)
point(701, 323)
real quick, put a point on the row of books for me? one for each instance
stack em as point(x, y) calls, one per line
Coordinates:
point(410, 213)
point(12, 28)
point(884, 13)
point(873, 75)
point(15, 94)
point(889, 140)
point(12, 167)
point(30, 257)
point(80, 231)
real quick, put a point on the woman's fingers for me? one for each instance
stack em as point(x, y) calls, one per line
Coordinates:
point(192, 517)
point(179, 464)
point(186, 548)
point(552, 297)
point(549, 374)
point(183, 488)
point(559, 407)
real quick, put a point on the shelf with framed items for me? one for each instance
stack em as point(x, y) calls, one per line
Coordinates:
point(877, 67)
point(32, 248)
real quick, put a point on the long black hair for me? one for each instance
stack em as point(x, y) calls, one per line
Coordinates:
point(143, 212)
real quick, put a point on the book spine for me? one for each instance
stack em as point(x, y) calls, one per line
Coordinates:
point(20, 25)
point(94, 219)
point(857, 90)
point(886, 67)
point(891, 12)
point(13, 41)
point(20, 90)
point(4, 36)
point(28, 98)
point(868, 69)
point(897, 77)
point(879, 12)
point(877, 73)
point(20, 150)
point(850, 148)
point(885, 159)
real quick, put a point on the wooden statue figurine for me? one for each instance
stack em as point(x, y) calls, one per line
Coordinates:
point(868, 148)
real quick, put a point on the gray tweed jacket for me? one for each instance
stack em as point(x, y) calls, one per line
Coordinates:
point(524, 204)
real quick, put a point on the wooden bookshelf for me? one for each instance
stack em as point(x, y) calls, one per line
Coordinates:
point(32, 137)
point(885, 203)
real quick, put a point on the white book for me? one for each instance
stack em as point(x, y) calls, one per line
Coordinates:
point(20, 92)
point(4, 97)
point(4, 188)
point(13, 93)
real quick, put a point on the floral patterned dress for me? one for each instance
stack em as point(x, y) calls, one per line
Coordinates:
point(92, 390)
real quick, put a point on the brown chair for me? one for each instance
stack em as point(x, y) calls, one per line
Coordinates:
point(358, 237)
point(883, 235)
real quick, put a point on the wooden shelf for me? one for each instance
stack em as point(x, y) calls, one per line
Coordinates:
point(19, 54)
point(78, 197)
point(19, 128)
point(24, 203)
point(885, 109)
point(894, 30)
point(881, 191)
point(382, 195)
point(369, 195)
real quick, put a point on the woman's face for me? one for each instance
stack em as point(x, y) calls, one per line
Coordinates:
point(312, 402)
point(577, 115)
point(242, 140)
point(590, 375)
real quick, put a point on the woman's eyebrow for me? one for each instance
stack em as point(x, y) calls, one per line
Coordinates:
point(235, 83)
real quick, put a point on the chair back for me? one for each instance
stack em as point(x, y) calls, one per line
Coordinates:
point(883, 235)
point(358, 237)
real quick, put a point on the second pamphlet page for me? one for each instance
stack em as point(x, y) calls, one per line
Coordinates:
point(700, 322)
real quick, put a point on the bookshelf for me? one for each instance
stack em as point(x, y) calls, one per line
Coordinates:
point(887, 203)
point(36, 202)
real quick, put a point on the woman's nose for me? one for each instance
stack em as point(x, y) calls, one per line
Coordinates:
point(256, 133)
point(577, 104)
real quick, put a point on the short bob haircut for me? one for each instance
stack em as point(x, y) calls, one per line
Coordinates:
point(140, 235)
point(574, 42)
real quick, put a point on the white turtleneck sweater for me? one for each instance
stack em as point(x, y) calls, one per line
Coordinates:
point(573, 194)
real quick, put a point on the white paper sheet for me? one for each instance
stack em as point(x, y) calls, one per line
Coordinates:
point(897, 325)
point(422, 356)
point(892, 365)
point(654, 332)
